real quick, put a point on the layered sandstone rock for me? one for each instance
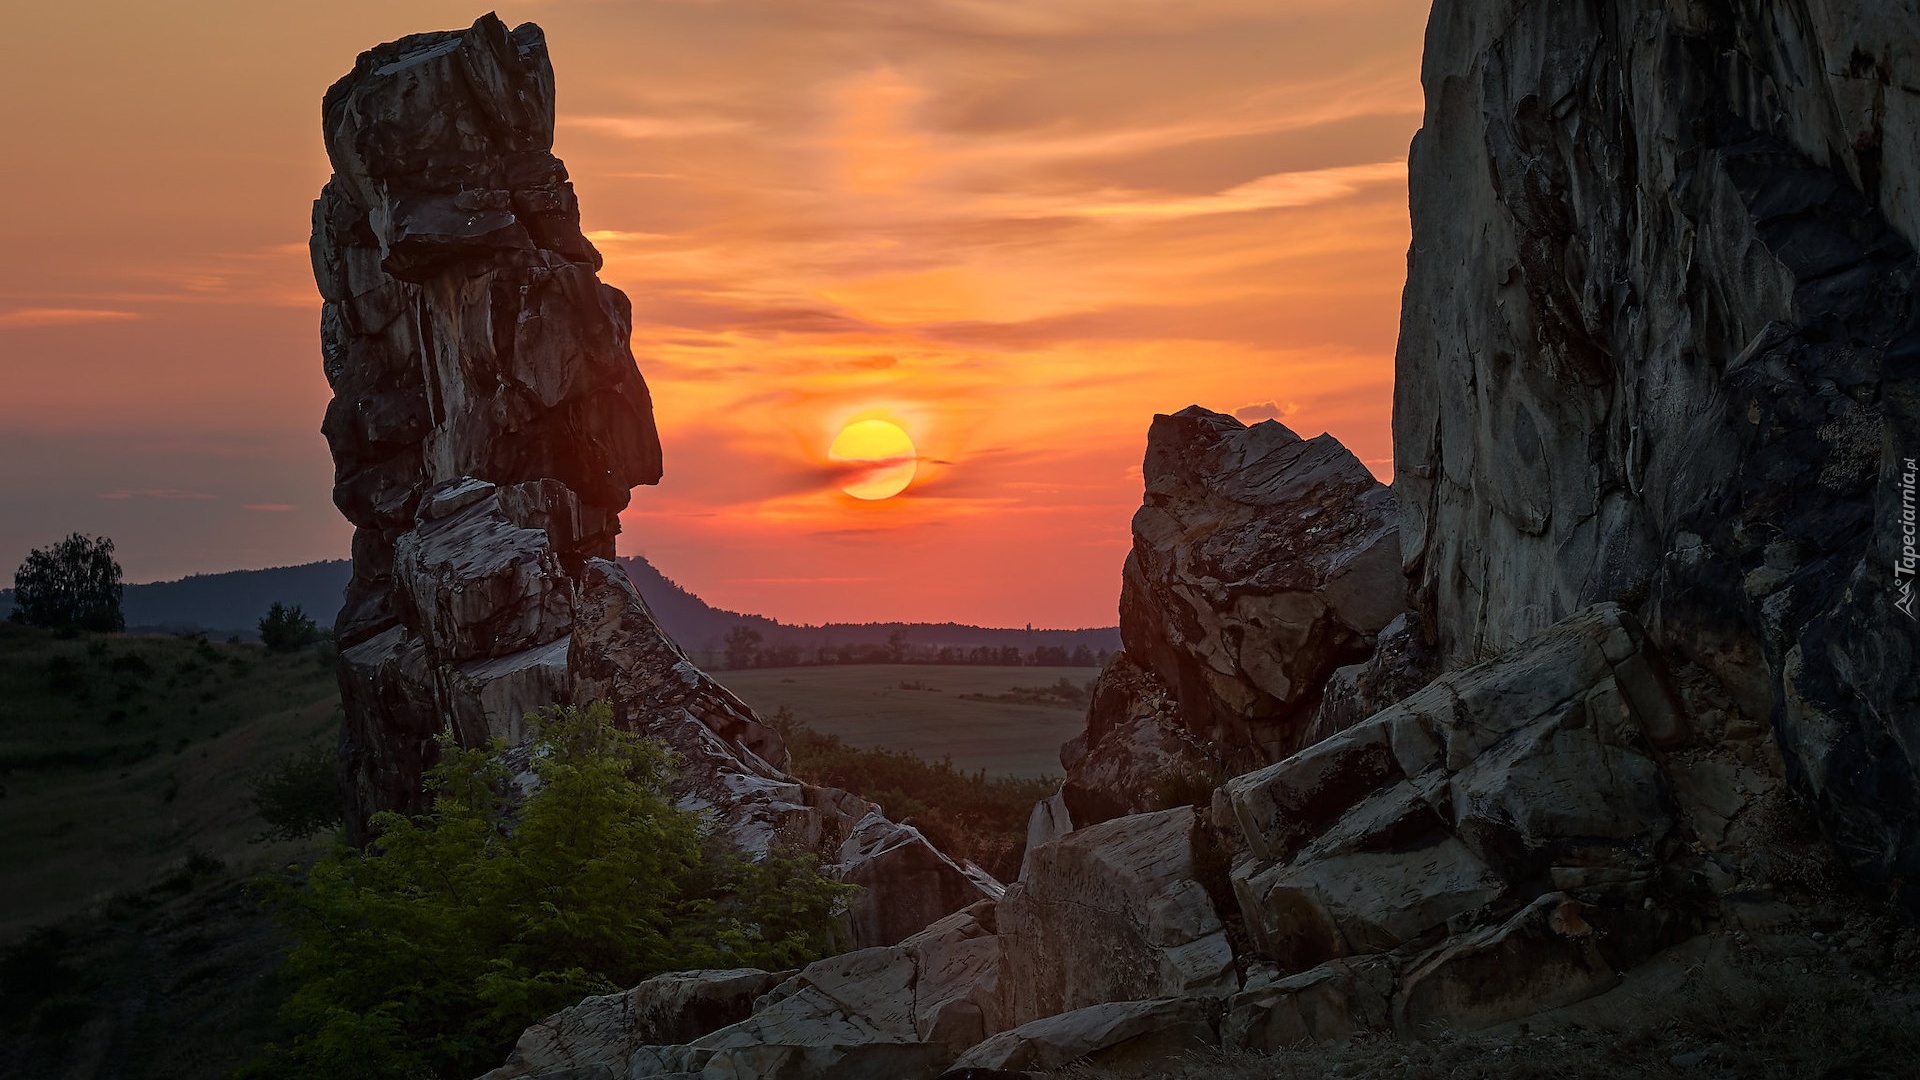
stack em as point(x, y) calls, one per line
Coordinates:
point(1659, 346)
point(487, 423)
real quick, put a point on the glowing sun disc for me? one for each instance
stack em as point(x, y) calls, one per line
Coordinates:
point(880, 456)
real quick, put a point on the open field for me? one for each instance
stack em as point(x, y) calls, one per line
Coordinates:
point(121, 754)
point(866, 706)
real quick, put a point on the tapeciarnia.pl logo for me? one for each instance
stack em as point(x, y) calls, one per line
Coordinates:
point(1904, 566)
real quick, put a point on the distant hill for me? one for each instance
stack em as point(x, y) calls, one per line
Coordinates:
point(222, 605)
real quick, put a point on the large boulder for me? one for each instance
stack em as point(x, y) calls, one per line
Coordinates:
point(1660, 345)
point(595, 1039)
point(1533, 774)
point(1261, 562)
point(901, 1012)
point(1113, 912)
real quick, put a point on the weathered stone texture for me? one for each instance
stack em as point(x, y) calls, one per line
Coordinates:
point(1112, 912)
point(1471, 798)
point(1659, 346)
point(487, 423)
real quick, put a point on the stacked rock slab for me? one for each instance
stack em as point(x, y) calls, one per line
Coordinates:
point(1261, 562)
point(1659, 346)
point(487, 423)
point(1508, 836)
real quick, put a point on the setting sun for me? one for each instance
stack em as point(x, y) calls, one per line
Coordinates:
point(879, 456)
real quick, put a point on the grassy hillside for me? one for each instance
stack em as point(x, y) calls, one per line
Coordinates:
point(923, 709)
point(122, 754)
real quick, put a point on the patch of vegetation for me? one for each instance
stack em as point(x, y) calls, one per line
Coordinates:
point(1065, 694)
point(284, 629)
point(96, 801)
point(428, 953)
point(300, 795)
point(72, 586)
point(964, 814)
point(169, 981)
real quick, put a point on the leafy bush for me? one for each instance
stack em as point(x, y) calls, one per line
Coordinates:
point(427, 953)
point(964, 814)
point(284, 629)
point(74, 585)
point(299, 796)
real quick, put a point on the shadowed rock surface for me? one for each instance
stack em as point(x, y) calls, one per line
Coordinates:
point(1261, 563)
point(1658, 346)
point(1652, 416)
point(487, 423)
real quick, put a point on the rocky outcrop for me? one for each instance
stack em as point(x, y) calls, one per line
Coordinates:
point(895, 1013)
point(1488, 787)
point(487, 423)
point(1109, 950)
point(1508, 835)
point(1136, 754)
point(1659, 346)
point(597, 1037)
point(1112, 912)
point(488, 420)
point(1261, 563)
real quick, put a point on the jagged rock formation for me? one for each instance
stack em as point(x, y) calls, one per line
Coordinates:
point(1261, 562)
point(1112, 912)
point(1535, 775)
point(1654, 416)
point(488, 421)
point(1659, 346)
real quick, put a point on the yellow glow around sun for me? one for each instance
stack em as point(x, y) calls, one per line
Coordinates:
point(884, 456)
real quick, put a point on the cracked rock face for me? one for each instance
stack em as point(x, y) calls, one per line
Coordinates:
point(1659, 346)
point(487, 423)
point(1261, 563)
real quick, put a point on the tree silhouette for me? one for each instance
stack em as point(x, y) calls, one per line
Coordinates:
point(743, 642)
point(74, 584)
point(285, 629)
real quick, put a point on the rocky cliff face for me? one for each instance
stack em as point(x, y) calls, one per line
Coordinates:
point(1659, 346)
point(487, 423)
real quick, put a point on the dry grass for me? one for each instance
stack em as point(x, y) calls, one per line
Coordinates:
point(952, 710)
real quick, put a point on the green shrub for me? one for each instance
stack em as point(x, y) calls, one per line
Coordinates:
point(964, 814)
point(428, 952)
point(73, 585)
point(299, 796)
point(284, 629)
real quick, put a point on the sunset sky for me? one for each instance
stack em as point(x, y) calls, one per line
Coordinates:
point(1015, 228)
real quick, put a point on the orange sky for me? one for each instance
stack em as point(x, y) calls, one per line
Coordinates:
point(1017, 228)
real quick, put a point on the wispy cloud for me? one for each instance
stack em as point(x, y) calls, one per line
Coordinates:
point(32, 317)
point(271, 508)
point(1265, 410)
point(155, 493)
point(658, 127)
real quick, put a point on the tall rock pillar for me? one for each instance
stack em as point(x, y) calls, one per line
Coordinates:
point(487, 424)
